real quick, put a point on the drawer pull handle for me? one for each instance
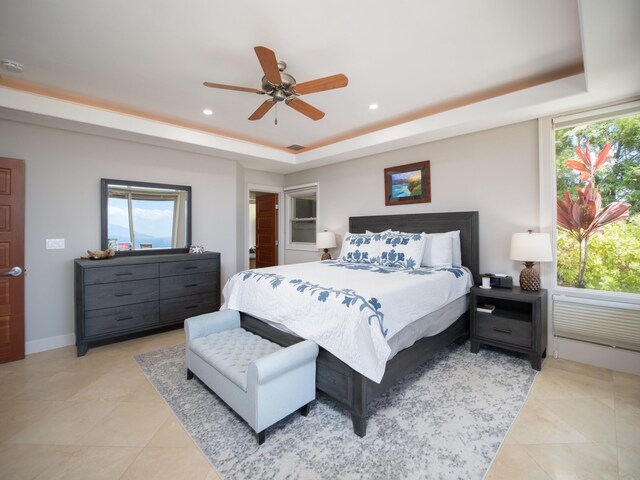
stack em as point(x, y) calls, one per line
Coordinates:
point(191, 267)
point(190, 307)
point(502, 330)
point(123, 274)
point(122, 319)
point(125, 294)
point(191, 285)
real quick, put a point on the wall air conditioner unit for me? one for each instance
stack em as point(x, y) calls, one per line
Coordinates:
point(615, 324)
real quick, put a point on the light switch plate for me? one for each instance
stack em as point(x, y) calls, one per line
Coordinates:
point(55, 243)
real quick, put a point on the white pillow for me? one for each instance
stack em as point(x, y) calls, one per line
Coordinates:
point(457, 253)
point(438, 250)
point(401, 250)
point(359, 248)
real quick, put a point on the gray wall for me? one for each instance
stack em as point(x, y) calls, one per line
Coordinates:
point(63, 172)
point(494, 171)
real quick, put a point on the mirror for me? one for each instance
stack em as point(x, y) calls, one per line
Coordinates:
point(141, 218)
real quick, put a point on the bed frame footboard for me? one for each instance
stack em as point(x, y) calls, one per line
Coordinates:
point(349, 388)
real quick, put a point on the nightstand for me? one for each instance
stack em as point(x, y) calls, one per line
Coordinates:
point(518, 321)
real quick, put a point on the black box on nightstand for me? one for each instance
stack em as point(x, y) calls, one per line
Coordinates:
point(500, 281)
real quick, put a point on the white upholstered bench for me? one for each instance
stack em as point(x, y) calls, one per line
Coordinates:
point(262, 381)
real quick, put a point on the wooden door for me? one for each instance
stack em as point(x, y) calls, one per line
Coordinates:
point(266, 230)
point(11, 259)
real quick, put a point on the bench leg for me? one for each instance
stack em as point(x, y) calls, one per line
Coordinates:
point(189, 374)
point(261, 437)
point(304, 411)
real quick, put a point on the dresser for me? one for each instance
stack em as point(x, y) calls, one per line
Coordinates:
point(120, 296)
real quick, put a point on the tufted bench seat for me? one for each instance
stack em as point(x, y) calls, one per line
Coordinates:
point(262, 381)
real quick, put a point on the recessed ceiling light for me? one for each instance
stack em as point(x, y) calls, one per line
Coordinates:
point(12, 65)
point(207, 111)
point(373, 106)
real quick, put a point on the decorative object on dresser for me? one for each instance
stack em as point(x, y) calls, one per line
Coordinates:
point(325, 240)
point(135, 294)
point(513, 319)
point(409, 183)
point(528, 248)
point(100, 254)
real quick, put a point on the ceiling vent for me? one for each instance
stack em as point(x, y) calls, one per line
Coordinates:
point(295, 147)
point(11, 65)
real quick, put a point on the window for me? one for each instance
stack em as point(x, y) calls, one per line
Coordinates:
point(301, 211)
point(598, 199)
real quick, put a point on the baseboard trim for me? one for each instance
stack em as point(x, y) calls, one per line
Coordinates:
point(599, 355)
point(49, 343)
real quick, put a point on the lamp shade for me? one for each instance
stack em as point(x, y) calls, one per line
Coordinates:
point(531, 247)
point(325, 240)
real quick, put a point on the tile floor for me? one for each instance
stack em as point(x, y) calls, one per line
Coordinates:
point(98, 417)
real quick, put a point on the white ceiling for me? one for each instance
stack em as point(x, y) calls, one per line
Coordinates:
point(408, 56)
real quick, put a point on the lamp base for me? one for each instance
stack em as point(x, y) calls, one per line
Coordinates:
point(529, 278)
point(326, 255)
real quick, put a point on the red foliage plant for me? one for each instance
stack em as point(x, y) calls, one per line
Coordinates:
point(585, 216)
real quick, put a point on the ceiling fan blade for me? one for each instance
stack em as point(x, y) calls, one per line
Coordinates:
point(269, 65)
point(231, 87)
point(262, 109)
point(304, 108)
point(322, 84)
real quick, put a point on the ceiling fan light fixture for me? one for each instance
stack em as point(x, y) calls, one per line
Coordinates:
point(207, 111)
point(373, 106)
point(282, 87)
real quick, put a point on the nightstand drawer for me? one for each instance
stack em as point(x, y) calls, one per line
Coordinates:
point(507, 330)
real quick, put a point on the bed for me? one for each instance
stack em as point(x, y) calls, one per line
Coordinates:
point(344, 384)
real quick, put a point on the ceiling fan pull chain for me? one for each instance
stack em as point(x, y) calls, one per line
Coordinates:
point(276, 114)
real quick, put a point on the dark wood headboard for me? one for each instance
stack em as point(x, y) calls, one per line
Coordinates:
point(466, 222)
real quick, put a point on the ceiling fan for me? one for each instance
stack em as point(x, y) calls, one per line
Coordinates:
point(282, 87)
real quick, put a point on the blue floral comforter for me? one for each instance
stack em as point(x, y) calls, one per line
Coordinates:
point(349, 309)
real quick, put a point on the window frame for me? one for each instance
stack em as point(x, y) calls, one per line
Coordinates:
point(547, 127)
point(290, 193)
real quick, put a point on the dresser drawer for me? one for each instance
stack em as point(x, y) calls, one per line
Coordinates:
point(507, 330)
point(188, 267)
point(119, 319)
point(122, 293)
point(179, 309)
point(95, 276)
point(181, 285)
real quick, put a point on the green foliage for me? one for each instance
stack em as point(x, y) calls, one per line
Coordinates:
point(614, 258)
point(620, 179)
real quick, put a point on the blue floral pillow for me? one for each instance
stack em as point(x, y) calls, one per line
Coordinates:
point(360, 248)
point(401, 250)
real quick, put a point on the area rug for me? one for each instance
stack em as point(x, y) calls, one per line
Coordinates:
point(446, 420)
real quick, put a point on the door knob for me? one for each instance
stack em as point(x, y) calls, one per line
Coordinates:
point(14, 272)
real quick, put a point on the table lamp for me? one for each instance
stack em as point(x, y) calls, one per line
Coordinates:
point(528, 248)
point(325, 240)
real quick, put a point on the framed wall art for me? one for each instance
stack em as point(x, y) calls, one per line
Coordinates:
point(407, 184)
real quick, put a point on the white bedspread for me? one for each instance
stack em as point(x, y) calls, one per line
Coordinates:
point(348, 309)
